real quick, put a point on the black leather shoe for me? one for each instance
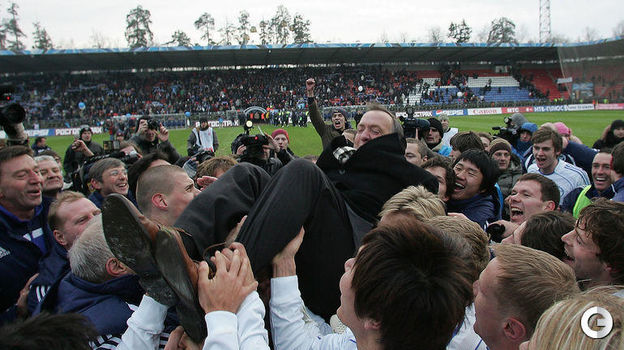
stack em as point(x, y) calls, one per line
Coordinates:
point(129, 237)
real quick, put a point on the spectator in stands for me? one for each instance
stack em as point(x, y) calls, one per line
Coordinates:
point(201, 138)
point(611, 136)
point(532, 194)
point(40, 145)
point(448, 131)
point(433, 137)
point(617, 172)
point(281, 145)
point(486, 139)
point(474, 194)
point(595, 248)
point(464, 141)
point(152, 136)
point(51, 174)
point(515, 288)
point(416, 151)
point(375, 317)
point(558, 327)
point(108, 175)
point(339, 117)
point(547, 145)
point(163, 192)
point(99, 287)
point(543, 232)
point(508, 165)
point(601, 186)
point(24, 232)
point(68, 217)
point(440, 168)
point(81, 149)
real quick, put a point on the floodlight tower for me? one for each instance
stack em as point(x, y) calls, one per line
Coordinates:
point(544, 21)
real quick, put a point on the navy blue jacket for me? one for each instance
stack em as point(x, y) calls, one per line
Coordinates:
point(619, 190)
point(19, 257)
point(481, 208)
point(104, 304)
point(52, 267)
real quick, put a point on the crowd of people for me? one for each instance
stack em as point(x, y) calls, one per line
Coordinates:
point(99, 96)
point(446, 240)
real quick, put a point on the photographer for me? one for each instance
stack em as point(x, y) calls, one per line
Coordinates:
point(80, 150)
point(201, 138)
point(255, 149)
point(151, 136)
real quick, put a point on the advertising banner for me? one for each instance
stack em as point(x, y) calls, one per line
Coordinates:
point(610, 106)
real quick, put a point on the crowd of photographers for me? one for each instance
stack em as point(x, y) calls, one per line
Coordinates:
point(400, 234)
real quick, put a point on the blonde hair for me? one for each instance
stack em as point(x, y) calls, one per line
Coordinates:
point(54, 220)
point(470, 231)
point(417, 201)
point(559, 327)
point(530, 281)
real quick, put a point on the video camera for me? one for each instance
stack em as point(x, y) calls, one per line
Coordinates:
point(413, 126)
point(507, 132)
point(253, 145)
point(80, 176)
point(11, 117)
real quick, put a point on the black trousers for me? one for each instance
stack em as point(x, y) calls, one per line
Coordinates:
point(299, 195)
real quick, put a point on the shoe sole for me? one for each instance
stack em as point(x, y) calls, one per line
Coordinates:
point(129, 242)
point(170, 261)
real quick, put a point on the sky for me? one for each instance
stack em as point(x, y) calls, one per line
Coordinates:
point(74, 23)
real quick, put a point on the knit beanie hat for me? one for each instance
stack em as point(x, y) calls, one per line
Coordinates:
point(342, 111)
point(562, 129)
point(280, 132)
point(499, 144)
point(435, 123)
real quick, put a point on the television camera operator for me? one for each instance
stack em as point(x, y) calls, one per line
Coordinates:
point(12, 114)
point(255, 149)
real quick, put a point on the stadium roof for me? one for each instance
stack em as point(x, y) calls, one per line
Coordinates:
point(34, 61)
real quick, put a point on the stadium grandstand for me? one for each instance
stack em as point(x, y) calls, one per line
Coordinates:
point(72, 87)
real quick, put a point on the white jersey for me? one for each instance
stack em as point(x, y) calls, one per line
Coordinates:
point(567, 177)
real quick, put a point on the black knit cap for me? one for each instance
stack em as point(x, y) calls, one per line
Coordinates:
point(435, 123)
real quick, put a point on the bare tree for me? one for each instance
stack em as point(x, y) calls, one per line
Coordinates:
point(619, 29)
point(228, 31)
point(557, 38)
point(206, 24)
point(434, 35)
point(138, 32)
point(98, 40)
point(383, 37)
point(41, 37)
point(403, 37)
point(589, 34)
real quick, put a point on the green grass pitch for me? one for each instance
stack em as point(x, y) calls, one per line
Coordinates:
point(587, 125)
